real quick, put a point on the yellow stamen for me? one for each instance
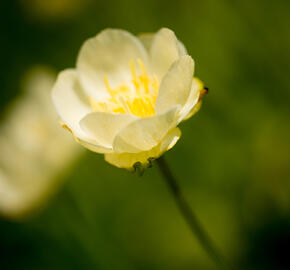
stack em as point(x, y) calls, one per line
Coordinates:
point(138, 97)
point(134, 76)
point(144, 77)
point(66, 128)
point(119, 110)
point(107, 83)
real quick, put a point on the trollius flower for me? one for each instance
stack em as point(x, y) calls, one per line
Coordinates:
point(127, 95)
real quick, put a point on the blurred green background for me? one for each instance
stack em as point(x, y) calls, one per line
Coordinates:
point(232, 160)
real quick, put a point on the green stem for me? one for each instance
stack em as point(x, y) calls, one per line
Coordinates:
point(188, 214)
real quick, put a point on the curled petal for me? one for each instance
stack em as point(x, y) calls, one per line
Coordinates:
point(145, 133)
point(128, 160)
point(105, 126)
point(165, 49)
point(202, 91)
point(93, 146)
point(147, 40)
point(176, 85)
point(69, 101)
point(193, 99)
point(71, 105)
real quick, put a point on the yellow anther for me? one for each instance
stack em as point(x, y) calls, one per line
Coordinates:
point(144, 77)
point(107, 83)
point(119, 110)
point(64, 126)
point(124, 89)
point(139, 107)
point(142, 67)
point(138, 97)
point(150, 105)
point(135, 80)
point(124, 104)
point(133, 70)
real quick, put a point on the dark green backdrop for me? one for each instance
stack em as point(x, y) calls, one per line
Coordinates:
point(232, 160)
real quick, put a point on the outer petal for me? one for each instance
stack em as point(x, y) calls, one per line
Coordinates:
point(71, 105)
point(195, 108)
point(176, 85)
point(193, 111)
point(105, 126)
point(127, 160)
point(165, 50)
point(192, 100)
point(92, 145)
point(181, 48)
point(69, 101)
point(145, 133)
point(108, 54)
point(147, 40)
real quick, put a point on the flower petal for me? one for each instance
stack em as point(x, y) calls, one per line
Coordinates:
point(108, 54)
point(147, 40)
point(192, 100)
point(181, 48)
point(127, 160)
point(92, 145)
point(71, 105)
point(69, 100)
point(196, 105)
point(176, 85)
point(105, 126)
point(145, 133)
point(165, 50)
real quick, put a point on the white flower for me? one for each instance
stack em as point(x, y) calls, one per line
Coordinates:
point(34, 149)
point(127, 95)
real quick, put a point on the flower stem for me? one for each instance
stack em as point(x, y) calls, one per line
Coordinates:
point(188, 214)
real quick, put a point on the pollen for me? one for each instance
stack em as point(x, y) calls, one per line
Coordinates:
point(137, 96)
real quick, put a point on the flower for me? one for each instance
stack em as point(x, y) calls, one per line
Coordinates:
point(34, 150)
point(127, 95)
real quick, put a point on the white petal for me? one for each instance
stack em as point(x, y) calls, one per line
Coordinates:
point(71, 105)
point(108, 54)
point(181, 48)
point(193, 98)
point(147, 40)
point(165, 50)
point(93, 146)
point(127, 160)
point(145, 133)
point(69, 101)
point(170, 140)
point(176, 85)
point(105, 126)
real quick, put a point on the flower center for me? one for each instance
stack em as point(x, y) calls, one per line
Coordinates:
point(137, 97)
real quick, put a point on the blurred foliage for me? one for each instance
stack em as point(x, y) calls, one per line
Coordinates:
point(232, 160)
